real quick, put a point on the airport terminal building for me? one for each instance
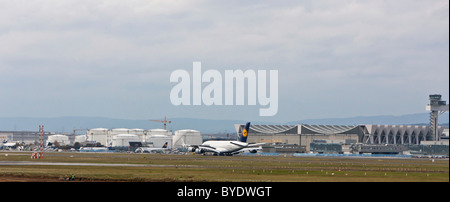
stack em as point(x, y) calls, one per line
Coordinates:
point(304, 135)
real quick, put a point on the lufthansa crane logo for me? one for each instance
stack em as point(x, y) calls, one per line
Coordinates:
point(244, 133)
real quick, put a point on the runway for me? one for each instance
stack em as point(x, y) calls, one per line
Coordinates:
point(33, 163)
point(173, 167)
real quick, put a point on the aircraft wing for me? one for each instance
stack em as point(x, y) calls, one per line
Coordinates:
point(240, 144)
point(249, 149)
point(256, 144)
point(155, 149)
point(208, 148)
point(149, 149)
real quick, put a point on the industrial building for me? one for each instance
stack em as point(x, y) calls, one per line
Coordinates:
point(119, 136)
point(117, 139)
point(58, 139)
point(368, 134)
point(158, 137)
point(124, 140)
point(186, 137)
point(304, 135)
point(22, 137)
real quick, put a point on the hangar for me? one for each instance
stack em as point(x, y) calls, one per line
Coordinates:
point(304, 134)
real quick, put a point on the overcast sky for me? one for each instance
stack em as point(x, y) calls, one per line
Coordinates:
point(114, 58)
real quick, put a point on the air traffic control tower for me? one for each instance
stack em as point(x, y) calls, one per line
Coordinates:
point(437, 107)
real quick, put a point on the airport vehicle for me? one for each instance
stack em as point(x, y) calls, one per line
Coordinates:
point(152, 149)
point(228, 148)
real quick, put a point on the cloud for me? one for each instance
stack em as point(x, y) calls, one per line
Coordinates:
point(98, 48)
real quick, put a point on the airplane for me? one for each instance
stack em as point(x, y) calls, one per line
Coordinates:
point(152, 149)
point(227, 148)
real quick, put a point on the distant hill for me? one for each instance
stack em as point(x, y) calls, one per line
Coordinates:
point(67, 124)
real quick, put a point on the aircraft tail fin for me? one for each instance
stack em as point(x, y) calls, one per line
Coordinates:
point(165, 145)
point(244, 134)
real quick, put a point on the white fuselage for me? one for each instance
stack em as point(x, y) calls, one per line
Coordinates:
point(226, 146)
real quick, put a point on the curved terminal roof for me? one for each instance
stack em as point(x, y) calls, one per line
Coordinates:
point(329, 129)
point(305, 129)
point(368, 134)
point(272, 128)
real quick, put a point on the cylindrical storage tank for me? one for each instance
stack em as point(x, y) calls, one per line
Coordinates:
point(158, 137)
point(158, 141)
point(139, 132)
point(186, 137)
point(97, 135)
point(117, 131)
point(158, 132)
point(114, 132)
point(60, 139)
point(123, 140)
point(81, 138)
point(136, 131)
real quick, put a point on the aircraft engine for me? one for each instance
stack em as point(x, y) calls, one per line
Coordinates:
point(199, 151)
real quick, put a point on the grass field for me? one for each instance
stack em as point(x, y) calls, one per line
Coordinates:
point(182, 168)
